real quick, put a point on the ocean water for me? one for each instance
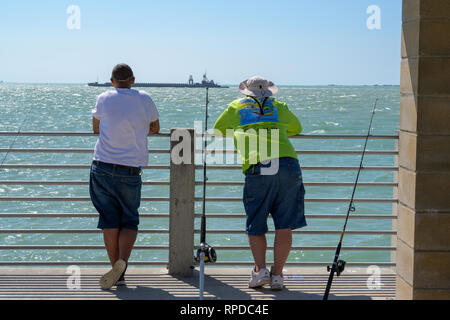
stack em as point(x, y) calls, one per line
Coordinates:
point(321, 110)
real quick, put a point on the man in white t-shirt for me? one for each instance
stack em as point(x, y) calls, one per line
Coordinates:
point(123, 118)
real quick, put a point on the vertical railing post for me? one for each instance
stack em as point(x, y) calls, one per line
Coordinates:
point(182, 202)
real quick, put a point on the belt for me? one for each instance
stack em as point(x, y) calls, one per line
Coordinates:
point(132, 169)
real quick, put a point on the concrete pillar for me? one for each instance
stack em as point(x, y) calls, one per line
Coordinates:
point(423, 245)
point(182, 202)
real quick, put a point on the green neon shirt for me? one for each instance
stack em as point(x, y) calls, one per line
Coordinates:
point(253, 133)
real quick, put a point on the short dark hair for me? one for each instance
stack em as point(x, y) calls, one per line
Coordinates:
point(122, 72)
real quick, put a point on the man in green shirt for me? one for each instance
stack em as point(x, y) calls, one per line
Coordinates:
point(260, 126)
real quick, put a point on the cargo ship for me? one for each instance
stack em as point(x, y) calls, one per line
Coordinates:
point(206, 83)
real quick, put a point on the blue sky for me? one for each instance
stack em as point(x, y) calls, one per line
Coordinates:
point(300, 42)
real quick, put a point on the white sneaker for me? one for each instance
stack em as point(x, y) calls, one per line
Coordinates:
point(259, 279)
point(276, 281)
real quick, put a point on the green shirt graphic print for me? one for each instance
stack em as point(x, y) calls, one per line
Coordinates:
point(259, 133)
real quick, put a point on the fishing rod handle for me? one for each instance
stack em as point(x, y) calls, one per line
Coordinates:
point(330, 281)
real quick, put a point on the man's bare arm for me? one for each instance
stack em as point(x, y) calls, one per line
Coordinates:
point(154, 127)
point(96, 125)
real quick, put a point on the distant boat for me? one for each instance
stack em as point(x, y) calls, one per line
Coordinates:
point(206, 83)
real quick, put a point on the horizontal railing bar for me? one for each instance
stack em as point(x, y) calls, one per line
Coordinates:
point(310, 152)
point(200, 183)
point(218, 248)
point(61, 150)
point(166, 151)
point(322, 136)
point(349, 152)
point(90, 134)
point(70, 215)
point(72, 183)
point(313, 200)
point(78, 263)
point(346, 136)
point(74, 247)
point(360, 232)
point(164, 263)
point(306, 264)
point(308, 248)
point(309, 216)
point(209, 216)
point(165, 231)
point(310, 168)
point(307, 184)
point(350, 184)
point(82, 199)
point(72, 231)
point(72, 199)
point(61, 134)
point(161, 167)
point(67, 166)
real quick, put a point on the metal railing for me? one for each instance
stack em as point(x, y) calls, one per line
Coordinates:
point(180, 260)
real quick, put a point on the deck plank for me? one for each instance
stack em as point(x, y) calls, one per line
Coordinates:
point(220, 283)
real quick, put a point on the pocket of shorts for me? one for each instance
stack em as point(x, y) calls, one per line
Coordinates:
point(301, 199)
point(294, 170)
point(253, 186)
point(132, 181)
point(98, 172)
point(302, 192)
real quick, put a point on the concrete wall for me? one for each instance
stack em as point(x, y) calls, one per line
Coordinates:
point(423, 245)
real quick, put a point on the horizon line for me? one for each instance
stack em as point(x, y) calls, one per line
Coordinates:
point(224, 84)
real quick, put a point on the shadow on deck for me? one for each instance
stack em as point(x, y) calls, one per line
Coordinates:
point(156, 284)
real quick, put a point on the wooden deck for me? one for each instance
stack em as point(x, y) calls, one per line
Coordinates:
point(156, 284)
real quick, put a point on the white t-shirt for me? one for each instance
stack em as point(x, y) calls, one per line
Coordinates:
point(125, 116)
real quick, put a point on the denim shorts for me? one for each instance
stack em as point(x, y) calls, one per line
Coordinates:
point(281, 194)
point(116, 194)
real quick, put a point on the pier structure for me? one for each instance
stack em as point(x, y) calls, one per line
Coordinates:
point(421, 250)
point(227, 279)
point(423, 247)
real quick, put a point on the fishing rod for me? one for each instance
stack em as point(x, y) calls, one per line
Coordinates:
point(15, 139)
point(205, 253)
point(339, 265)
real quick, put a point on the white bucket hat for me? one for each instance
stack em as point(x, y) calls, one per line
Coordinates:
point(258, 87)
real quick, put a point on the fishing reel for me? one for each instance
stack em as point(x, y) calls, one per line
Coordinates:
point(209, 252)
point(339, 268)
